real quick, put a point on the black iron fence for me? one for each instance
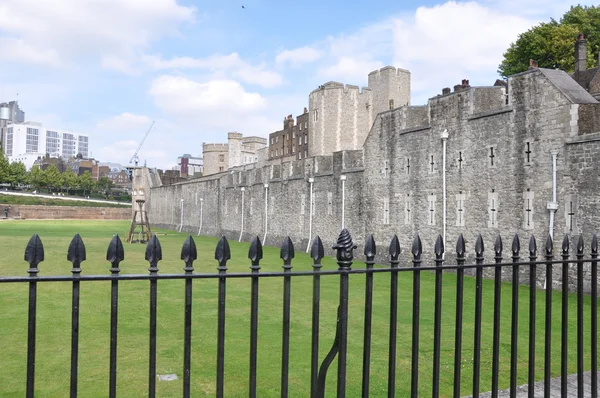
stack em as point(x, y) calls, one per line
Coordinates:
point(319, 367)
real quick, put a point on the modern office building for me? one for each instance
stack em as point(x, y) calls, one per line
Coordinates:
point(26, 142)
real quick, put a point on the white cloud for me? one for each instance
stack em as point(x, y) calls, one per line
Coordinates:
point(298, 56)
point(179, 95)
point(125, 121)
point(350, 70)
point(119, 64)
point(72, 28)
point(227, 65)
point(20, 51)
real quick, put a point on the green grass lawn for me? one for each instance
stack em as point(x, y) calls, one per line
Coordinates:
point(39, 201)
point(54, 322)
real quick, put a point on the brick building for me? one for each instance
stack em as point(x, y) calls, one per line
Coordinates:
point(291, 142)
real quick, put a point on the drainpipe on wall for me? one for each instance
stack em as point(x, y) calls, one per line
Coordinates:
point(444, 137)
point(201, 203)
point(311, 182)
point(242, 227)
point(181, 216)
point(343, 178)
point(266, 211)
point(552, 206)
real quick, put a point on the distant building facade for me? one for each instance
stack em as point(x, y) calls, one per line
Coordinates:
point(189, 165)
point(239, 151)
point(292, 141)
point(9, 113)
point(26, 142)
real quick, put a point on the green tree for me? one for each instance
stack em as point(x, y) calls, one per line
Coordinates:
point(18, 174)
point(105, 185)
point(53, 178)
point(37, 177)
point(552, 44)
point(69, 180)
point(86, 182)
point(4, 168)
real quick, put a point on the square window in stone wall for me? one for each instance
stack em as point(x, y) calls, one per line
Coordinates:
point(571, 214)
point(386, 211)
point(528, 210)
point(302, 203)
point(431, 210)
point(329, 203)
point(493, 209)
point(460, 210)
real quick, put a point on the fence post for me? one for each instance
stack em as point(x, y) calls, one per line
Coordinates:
point(479, 249)
point(437, 325)
point(516, 247)
point(153, 256)
point(565, 317)
point(497, 297)
point(222, 255)
point(394, 254)
point(34, 254)
point(317, 253)
point(594, 320)
point(417, 250)
point(460, 273)
point(286, 254)
point(188, 254)
point(579, 256)
point(76, 255)
point(255, 254)
point(370, 252)
point(344, 247)
point(548, 321)
point(115, 254)
point(532, 304)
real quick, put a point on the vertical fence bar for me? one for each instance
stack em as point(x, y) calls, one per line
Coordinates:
point(34, 254)
point(287, 254)
point(497, 300)
point(532, 303)
point(394, 254)
point(437, 323)
point(153, 256)
point(344, 248)
point(317, 253)
point(565, 317)
point(417, 250)
point(115, 254)
point(222, 254)
point(370, 252)
point(477, 327)
point(594, 318)
point(76, 255)
point(579, 256)
point(188, 255)
point(460, 273)
point(255, 254)
point(548, 322)
point(514, 324)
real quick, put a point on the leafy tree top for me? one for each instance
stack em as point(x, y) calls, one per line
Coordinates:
point(552, 44)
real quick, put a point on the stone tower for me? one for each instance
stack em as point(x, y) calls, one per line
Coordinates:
point(235, 149)
point(390, 87)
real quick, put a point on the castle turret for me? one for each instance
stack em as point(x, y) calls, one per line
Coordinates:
point(391, 88)
point(235, 149)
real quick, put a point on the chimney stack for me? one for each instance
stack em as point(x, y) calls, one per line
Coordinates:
point(533, 64)
point(580, 54)
point(446, 90)
point(305, 110)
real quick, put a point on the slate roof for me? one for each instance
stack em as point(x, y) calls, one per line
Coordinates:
point(568, 86)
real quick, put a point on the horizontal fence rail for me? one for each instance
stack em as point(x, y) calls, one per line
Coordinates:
point(338, 351)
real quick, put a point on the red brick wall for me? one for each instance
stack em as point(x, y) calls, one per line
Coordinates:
point(66, 212)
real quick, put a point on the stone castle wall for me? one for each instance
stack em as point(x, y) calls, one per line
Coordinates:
point(499, 179)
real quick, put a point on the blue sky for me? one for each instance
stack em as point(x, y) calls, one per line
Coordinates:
point(200, 69)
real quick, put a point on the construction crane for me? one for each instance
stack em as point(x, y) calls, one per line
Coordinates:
point(135, 158)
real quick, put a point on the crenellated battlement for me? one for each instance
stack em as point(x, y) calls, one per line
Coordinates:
point(214, 147)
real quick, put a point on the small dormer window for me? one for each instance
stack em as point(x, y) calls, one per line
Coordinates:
point(391, 104)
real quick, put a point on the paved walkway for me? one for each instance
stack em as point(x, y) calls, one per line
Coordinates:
point(62, 197)
point(554, 387)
